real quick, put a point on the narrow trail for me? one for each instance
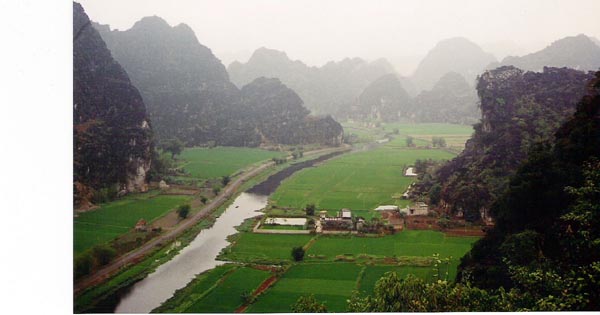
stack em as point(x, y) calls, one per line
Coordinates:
point(138, 254)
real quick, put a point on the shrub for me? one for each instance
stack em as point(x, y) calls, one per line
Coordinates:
point(183, 211)
point(298, 253)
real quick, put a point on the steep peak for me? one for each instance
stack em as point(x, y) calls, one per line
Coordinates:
point(457, 42)
point(264, 54)
point(151, 22)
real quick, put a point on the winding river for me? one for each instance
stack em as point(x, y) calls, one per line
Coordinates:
point(200, 255)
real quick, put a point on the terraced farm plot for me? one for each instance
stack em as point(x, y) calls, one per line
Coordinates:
point(264, 247)
point(359, 181)
point(205, 163)
point(118, 217)
point(455, 135)
point(226, 297)
point(330, 283)
point(403, 244)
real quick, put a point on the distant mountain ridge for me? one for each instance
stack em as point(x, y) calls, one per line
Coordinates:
point(329, 89)
point(189, 95)
point(458, 55)
point(576, 52)
point(111, 131)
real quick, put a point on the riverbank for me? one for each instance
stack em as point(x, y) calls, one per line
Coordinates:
point(97, 294)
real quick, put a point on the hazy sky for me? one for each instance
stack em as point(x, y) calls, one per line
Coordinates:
point(316, 31)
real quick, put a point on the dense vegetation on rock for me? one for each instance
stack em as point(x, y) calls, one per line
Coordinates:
point(546, 240)
point(190, 97)
point(329, 89)
point(277, 113)
point(452, 55)
point(519, 109)
point(577, 52)
point(111, 133)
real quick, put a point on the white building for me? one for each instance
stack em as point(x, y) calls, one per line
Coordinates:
point(387, 208)
point(410, 172)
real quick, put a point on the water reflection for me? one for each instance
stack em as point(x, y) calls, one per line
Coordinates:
point(200, 255)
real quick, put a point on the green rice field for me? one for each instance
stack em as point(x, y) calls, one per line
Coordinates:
point(118, 217)
point(359, 181)
point(264, 247)
point(332, 284)
point(226, 297)
point(205, 163)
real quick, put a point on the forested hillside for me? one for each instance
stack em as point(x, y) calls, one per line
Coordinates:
point(383, 100)
point(519, 109)
point(111, 133)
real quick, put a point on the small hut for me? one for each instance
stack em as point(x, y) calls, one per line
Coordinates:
point(141, 225)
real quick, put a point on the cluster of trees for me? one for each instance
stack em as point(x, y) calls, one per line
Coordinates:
point(438, 142)
point(98, 256)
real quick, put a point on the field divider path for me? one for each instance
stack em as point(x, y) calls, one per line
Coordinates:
point(136, 255)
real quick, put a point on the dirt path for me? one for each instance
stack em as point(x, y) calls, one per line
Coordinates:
point(139, 253)
point(262, 288)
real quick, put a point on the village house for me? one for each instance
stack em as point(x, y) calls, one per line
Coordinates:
point(410, 172)
point(345, 214)
point(141, 225)
point(419, 208)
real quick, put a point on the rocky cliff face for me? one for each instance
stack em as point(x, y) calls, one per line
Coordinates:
point(112, 134)
point(277, 114)
point(519, 109)
point(185, 87)
point(329, 89)
point(576, 52)
point(452, 55)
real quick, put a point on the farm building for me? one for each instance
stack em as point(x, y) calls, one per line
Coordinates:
point(345, 214)
point(286, 221)
point(141, 225)
point(419, 208)
point(410, 172)
point(322, 214)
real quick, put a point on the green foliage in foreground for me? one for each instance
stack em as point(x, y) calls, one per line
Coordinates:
point(360, 180)
point(308, 304)
point(205, 163)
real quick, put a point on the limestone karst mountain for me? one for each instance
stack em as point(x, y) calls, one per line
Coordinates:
point(111, 131)
point(518, 109)
point(383, 100)
point(189, 95)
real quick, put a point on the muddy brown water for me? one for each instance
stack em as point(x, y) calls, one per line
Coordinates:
point(200, 255)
